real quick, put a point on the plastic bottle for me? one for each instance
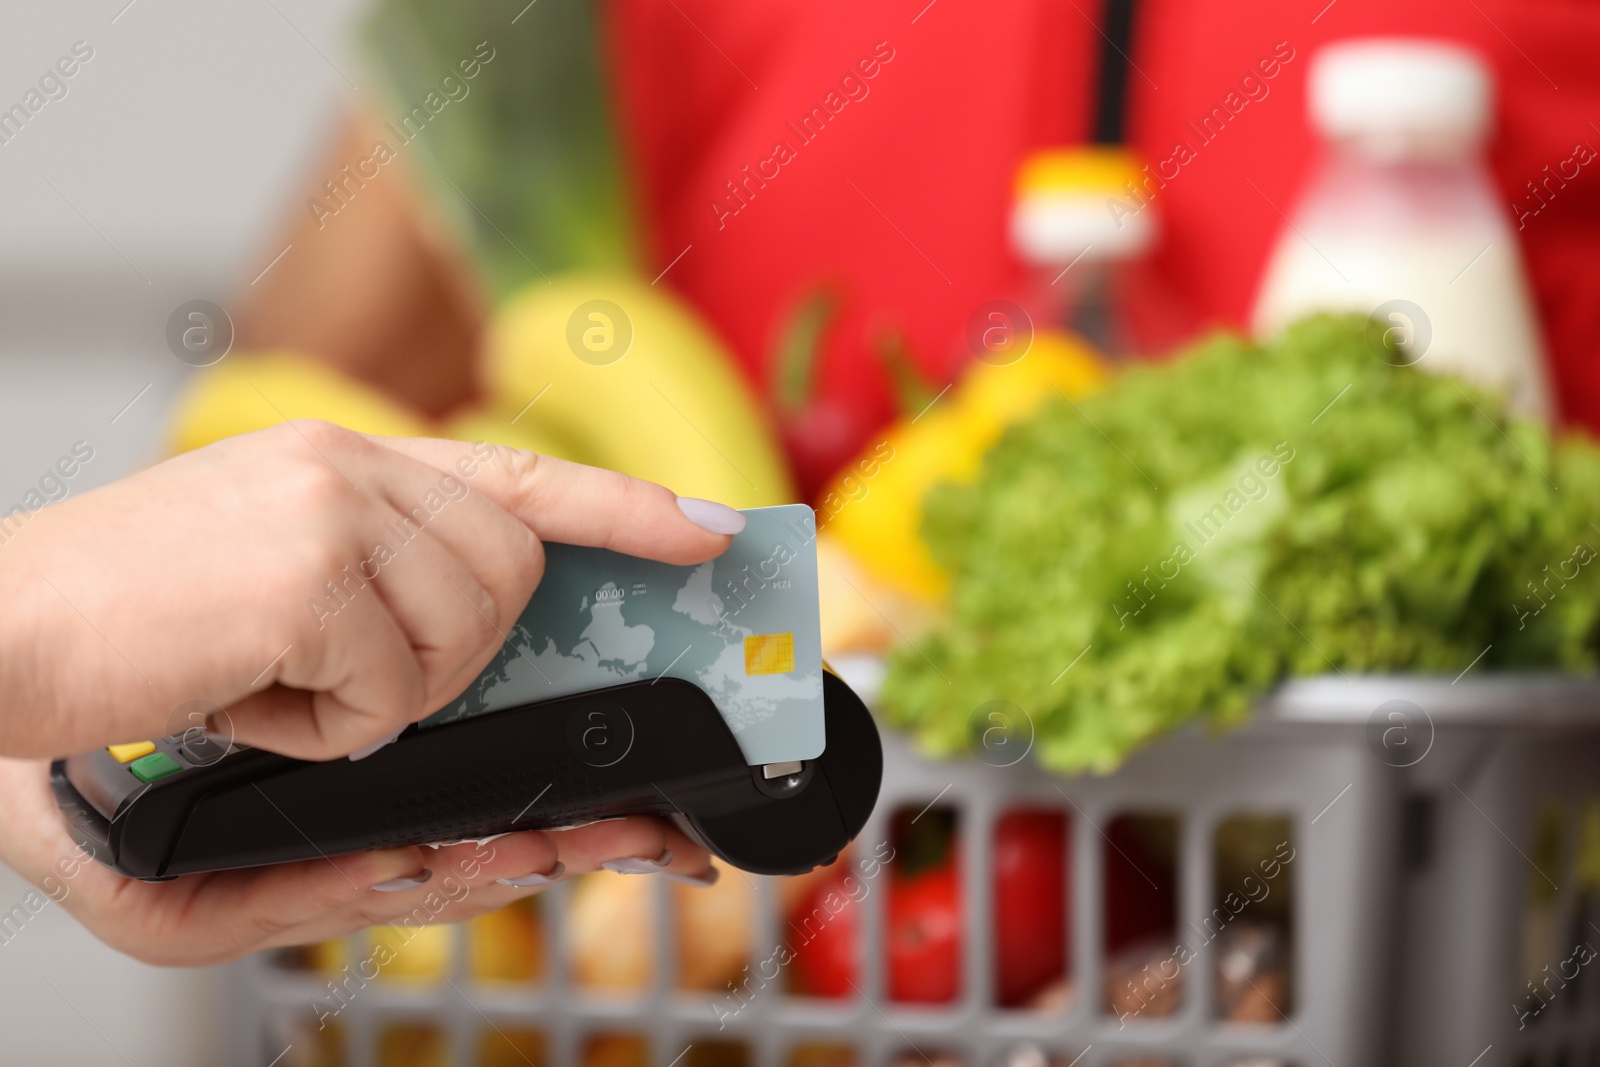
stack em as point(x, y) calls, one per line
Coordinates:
point(1080, 242)
point(1400, 219)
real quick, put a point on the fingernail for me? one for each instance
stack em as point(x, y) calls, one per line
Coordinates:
point(367, 750)
point(707, 878)
point(634, 865)
point(396, 885)
point(710, 515)
point(528, 881)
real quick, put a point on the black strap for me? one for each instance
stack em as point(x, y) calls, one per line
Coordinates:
point(1116, 45)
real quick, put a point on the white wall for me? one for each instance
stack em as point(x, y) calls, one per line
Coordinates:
point(173, 153)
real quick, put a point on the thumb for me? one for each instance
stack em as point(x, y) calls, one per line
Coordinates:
point(574, 504)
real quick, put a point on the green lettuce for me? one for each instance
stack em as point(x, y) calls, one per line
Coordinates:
point(1167, 551)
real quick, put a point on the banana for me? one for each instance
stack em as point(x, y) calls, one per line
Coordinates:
point(490, 423)
point(598, 369)
point(251, 391)
point(634, 381)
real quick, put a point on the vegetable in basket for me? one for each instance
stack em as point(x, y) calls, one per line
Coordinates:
point(1166, 551)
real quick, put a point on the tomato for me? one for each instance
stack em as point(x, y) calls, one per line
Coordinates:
point(1032, 901)
point(923, 921)
point(824, 924)
point(924, 935)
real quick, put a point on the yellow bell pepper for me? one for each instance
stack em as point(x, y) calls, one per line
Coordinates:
point(874, 507)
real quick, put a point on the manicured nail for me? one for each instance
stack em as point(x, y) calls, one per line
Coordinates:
point(366, 750)
point(634, 865)
point(710, 515)
point(528, 881)
point(706, 878)
point(397, 885)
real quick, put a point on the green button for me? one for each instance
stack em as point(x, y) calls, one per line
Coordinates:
point(156, 765)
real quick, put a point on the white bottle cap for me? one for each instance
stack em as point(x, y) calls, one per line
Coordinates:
point(1400, 90)
point(1081, 202)
point(1057, 230)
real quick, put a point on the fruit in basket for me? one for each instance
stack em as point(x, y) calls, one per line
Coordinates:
point(715, 927)
point(874, 506)
point(636, 381)
point(509, 1046)
point(508, 944)
point(413, 955)
point(610, 923)
point(826, 921)
point(488, 422)
point(616, 1050)
point(1207, 526)
point(858, 613)
point(253, 390)
point(609, 928)
point(408, 1045)
point(923, 919)
point(924, 936)
point(672, 407)
point(1031, 904)
point(1144, 981)
point(317, 1044)
point(820, 1055)
point(1252, 974)
point(323, 957)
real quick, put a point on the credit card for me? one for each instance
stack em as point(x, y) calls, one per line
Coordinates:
point(745, 627)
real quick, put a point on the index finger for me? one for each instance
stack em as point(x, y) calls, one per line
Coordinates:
point(574, 504)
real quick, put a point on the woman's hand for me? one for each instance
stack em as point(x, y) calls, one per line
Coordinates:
point(323, 587)
point(210, 918)
point(326, 589)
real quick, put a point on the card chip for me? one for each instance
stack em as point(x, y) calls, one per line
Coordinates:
point(769, 654)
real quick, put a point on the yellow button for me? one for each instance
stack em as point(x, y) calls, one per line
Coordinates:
point(131, 751)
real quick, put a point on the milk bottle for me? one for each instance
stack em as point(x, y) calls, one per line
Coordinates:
point(1400, 219)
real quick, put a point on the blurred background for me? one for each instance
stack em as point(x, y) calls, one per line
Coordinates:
point(172, 157)
point(1135, 358)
